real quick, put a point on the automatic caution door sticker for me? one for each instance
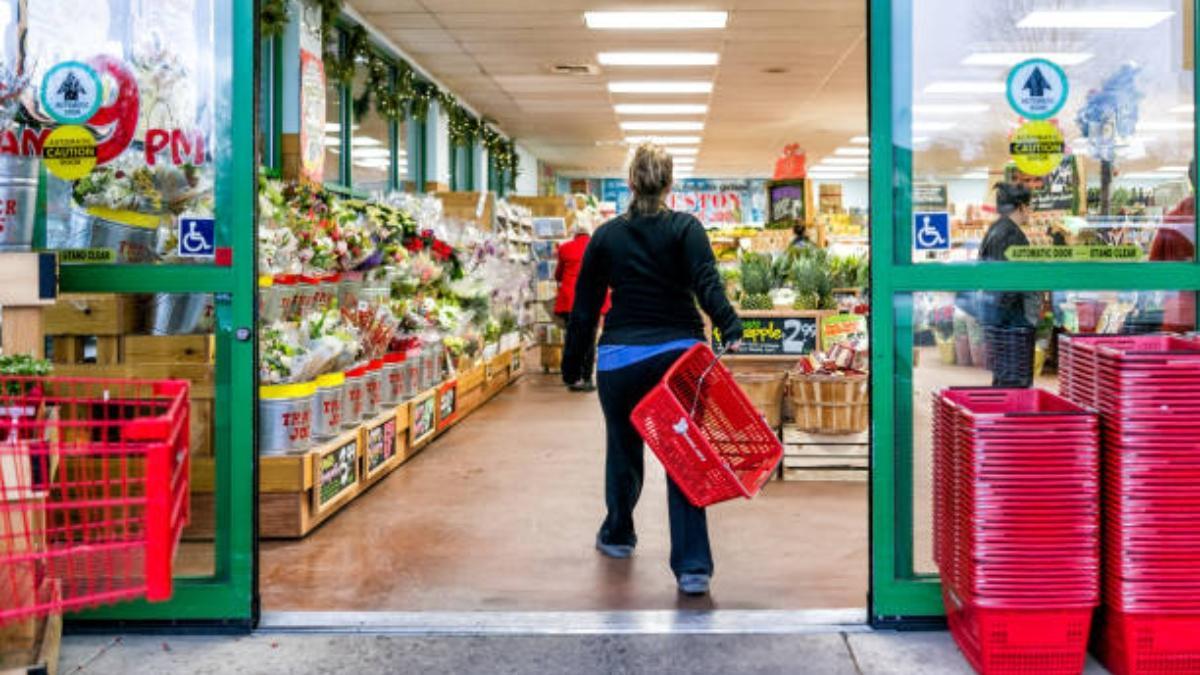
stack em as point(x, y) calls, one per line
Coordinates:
point(71, 92)
point(70, 152)
point(1037, 148)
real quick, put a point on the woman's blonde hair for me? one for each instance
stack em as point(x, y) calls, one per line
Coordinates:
point(651, 174)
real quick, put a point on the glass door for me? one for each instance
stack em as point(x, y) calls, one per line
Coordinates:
point(141, 139)
point(1086, 114)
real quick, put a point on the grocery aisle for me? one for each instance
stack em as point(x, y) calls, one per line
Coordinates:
point(500, 515)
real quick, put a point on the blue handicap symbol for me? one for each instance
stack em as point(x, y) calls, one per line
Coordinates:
point(197, 237)
point(931, 231)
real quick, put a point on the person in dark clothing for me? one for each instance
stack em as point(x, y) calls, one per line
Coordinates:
point(800, 237)
point(659, 265)
point(1009, 319)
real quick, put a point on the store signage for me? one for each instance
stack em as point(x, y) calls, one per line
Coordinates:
point(423, 417)
point(338, 472)
point(842, 327)
point(714, 202)
point(24, 142)
point(69, 152)
point(929, 197)
point(1123, 253)
point(71, 92)
point(197, 237)
point(1037, 89)
point(1059, 190)
point(931, 231)
point(1037, 148)
point(92, 256)
point(312, 116)
point(775, 336)
point(447, 404)
point(381, 444)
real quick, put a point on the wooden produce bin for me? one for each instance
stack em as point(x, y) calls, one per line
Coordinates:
point(824, 457)
point(31, 646)
point(470, 389)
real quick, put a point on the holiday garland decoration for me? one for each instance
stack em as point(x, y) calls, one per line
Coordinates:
point(273, 17)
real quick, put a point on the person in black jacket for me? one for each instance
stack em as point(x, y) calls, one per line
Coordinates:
point(1009, 319)
point(659, 265)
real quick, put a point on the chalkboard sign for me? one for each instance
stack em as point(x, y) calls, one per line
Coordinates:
point(381, 445)
point(422, 418)
point(776, 335)
point(338, 472)
point(447, 404)
point(930, 197)
point(787, 201)
point(1059, 190)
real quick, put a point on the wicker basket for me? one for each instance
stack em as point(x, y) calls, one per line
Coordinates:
point(829, 404)
point(765, 390)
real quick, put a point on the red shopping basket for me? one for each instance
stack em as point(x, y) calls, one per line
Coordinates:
point(93, 491)
point(709, 437)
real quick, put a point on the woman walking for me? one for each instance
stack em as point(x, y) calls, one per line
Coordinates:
point(659, 265)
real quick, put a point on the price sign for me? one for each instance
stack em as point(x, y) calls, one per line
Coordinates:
point(776, 336)
point(381, 445)
point(447, 404)
point(338, 472)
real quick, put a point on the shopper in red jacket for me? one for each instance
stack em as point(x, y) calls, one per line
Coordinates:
point(566, 273)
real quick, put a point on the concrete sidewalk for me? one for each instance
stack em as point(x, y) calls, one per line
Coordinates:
point(879, 653)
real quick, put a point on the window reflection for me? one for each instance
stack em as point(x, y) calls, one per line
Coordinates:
point(1110, 168)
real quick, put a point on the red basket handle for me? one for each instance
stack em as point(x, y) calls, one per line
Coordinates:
point(700, 381)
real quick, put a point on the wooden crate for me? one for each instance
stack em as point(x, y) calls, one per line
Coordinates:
point(92, 314)
point(168, 348)
point(802, 474)
point(37, 654)
point(824, 457)
point(294, 496)
point(471, 378)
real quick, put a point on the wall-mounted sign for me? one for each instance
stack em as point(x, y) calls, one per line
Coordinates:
point(1037, 148)
point(1037, 89)
point(715, 203)
point(312, 116)
point(71, 92)
point(930, 197)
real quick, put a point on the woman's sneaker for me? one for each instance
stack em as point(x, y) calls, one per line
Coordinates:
point(618, 551)
point(694, 584)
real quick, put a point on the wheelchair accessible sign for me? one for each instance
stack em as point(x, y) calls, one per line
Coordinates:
point(931, 231)
point(197, 237)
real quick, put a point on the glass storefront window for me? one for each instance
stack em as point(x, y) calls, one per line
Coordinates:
point(976, 339)
point(370, 146)
point(120, 116)
point(333, 131)
point(1089, 108)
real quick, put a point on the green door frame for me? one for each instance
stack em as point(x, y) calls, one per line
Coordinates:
point(229, 596)
point(898, 594)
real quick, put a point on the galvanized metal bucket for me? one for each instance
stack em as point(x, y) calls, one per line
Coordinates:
point(285, 418)
point(432, 365)
point(182, 313)
point(412, 374)
point(374, 388)
point(132, 236)
point(78, 232)
point(18, 201)
point(393, 379)
point(355, 402)
point(327, 406)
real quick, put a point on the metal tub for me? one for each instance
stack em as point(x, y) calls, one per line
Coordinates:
point(285, 418)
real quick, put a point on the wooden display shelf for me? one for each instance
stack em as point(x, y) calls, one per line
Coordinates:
point(299, 492)
point(824, 457)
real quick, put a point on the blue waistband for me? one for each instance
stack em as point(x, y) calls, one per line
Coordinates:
point(615, 357)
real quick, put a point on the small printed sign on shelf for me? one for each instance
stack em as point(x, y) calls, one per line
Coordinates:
point(381, 444)
point(338, 472)
point(775, 336)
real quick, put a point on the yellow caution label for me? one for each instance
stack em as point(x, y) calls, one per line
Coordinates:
point(70, 152)
point(1037, 148)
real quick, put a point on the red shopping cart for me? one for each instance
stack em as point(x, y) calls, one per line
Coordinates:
point(93, 491)
point(710, 438)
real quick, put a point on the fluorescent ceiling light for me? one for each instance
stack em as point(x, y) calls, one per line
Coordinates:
point(975, 175)
point(663, 140)
point(949, 108)
point(1182, 125)
point(847, 161)
point(334, 127)
point(372, 153)
point(965, 87)
point(669, 87)
point(333, 141)
point(661, 108)
point(1013, 58)
point(831, 175)
point(365, 142)
point(658, 58)
point(932, 126)
point(1094, 19)
point(1172, 169)
point(680, 152)
point(852, 152)
point(1146, 175)
point(918, 140)
point(662, 126)
point(861, 140)
point(1186, 108)
point(655, 20)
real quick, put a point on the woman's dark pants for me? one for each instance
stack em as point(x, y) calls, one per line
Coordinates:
point(621, 390)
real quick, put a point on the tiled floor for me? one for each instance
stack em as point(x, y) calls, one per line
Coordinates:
point(501, 513)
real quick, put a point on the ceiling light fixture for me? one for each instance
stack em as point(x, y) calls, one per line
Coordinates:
point(365, 142)
point(661, 108)
point(658, 58)
point(861, 140)
point(1145, 175)
point(1184, 109)
point(1013, 58)
point(682, 152)
point(932, 126)
point(1094, 19)
point(949, 108)
point(669, 87)
point(975, 175)
point(831, 175)
point(662, 126)
point(655, 20)
point(847, 161)
point(965, 87)
point(663, 140)
point(1172, 169)
point(852, 152)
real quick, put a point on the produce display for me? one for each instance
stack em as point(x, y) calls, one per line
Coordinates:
point(801, 278)
point(370, 288)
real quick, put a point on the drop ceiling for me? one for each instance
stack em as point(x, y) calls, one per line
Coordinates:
point(498, 55)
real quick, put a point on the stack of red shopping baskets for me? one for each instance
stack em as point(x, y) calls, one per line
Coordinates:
point(1147, 389)
point(1017, 531)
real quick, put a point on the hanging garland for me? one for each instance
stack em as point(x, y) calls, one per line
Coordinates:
point(463, 126)
point(273, 17)
point(424, 93)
